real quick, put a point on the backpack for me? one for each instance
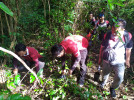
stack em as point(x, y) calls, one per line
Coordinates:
point(109, 54)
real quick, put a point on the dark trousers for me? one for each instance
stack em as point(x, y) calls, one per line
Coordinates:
point(21, 67)
point(83, 67)
point(31, 64)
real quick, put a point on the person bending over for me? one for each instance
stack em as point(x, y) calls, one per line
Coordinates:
point(30, 56)
point(77, 46)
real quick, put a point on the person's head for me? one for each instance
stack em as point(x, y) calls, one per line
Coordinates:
point(20, 49)
point(119, 26)
point(90, 15)
point(101, 17)
point(57, 51)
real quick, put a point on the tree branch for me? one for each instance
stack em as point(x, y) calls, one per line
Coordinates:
point(17, 57)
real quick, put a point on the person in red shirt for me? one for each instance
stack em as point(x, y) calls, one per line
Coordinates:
point(77, 46)
point(29, 55)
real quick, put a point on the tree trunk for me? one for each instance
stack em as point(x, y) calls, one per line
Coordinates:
point(44, 4)
point(1, 28)
point(9, 30)
point(17, 6)
point(49, 13)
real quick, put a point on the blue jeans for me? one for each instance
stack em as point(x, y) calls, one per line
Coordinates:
point(118, 69)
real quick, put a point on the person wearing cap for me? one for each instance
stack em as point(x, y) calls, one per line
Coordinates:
point(77, 46)
point(102, 26)
point(31, 57)
point(119, 41)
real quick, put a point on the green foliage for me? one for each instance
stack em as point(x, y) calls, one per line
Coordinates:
point(17, 79)
point(6, 9)
point(90, 64)
point(32, 78)
point(124, 97)
point(40, 72)
point(18, 97)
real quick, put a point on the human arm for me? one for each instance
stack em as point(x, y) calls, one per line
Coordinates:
point(15, 62)
point(75, 63)
point(128, 53)
point(63, 64)
point(100, 54)
point(129, 46)
point(36, 64)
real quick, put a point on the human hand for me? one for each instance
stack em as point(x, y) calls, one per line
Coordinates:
point(15, 71)
point(70, 72)
point(127, 64)
point(62, 76)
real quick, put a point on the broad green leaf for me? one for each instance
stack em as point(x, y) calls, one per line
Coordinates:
point(32, 78)
point(70, 21)
point(111, 6)
point(113, 20)
point(70, 34)
point(119, 4)
point(100, 9)
point(18, 97)
point(17, 79)
point(67, 27)
point(6, 9)
point(41, 80)
point(40, 72)
point(52, 92)
point(124, 97)
point(11, 84)
point(2, 97)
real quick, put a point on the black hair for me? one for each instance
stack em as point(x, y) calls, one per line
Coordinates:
point(56, 49)
point(121, 23)
point(101, 14)
point(20, 47)
point(90, 12)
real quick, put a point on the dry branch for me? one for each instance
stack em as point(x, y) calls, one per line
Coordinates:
point(17, 57)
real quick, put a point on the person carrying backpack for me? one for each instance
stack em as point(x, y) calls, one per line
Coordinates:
point(115, 51)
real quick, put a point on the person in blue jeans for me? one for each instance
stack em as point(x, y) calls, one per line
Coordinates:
point(123, 40)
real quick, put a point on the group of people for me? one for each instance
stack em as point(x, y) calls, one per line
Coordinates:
point(115, 51)
point(97, 26)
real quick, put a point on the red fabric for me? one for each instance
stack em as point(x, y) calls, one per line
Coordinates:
point(130, 36)
point(33, 54)
point(72, 44)
point(107, 21)
point(105, 35)
point(88, 36)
